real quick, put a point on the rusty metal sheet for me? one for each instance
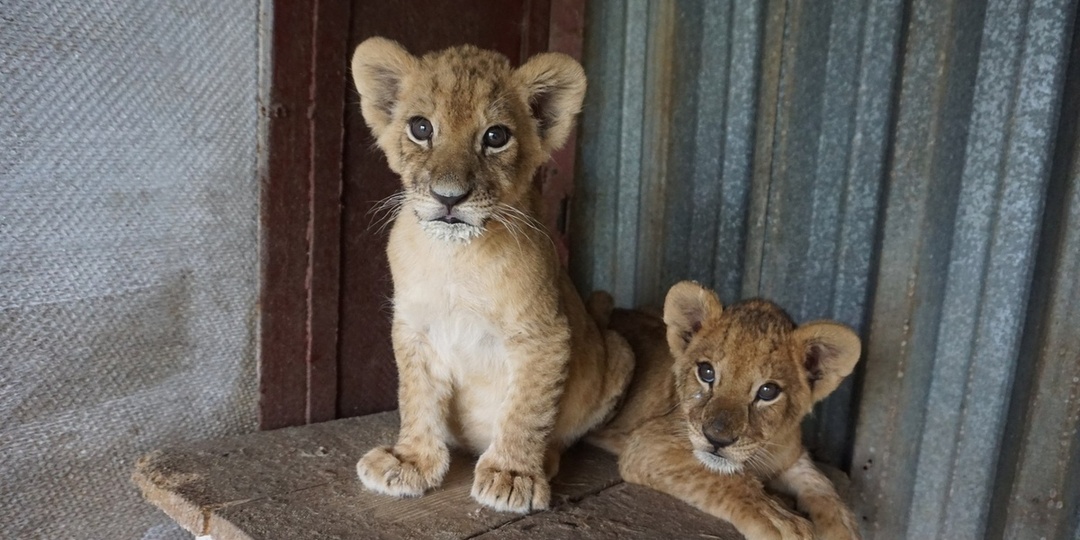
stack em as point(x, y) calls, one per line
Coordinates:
point(1040, 457)
point(903, 167)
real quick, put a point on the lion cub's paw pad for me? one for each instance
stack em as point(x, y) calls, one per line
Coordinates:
point(511, 491)
point(384, 471)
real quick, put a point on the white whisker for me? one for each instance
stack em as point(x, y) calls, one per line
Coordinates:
point(508, 223)
point(522, 219)
point(385, 211)
point(763, 459)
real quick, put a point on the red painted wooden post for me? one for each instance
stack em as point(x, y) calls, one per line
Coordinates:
point(300, 215)
point(566, 35)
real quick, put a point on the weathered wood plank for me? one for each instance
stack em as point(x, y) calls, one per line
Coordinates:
point(622, 512)
point(343, 509)
point(189, 482)
point(301, 483)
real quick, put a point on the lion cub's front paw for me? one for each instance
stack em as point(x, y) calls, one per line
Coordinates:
point(836, 531)
point(839, 525)
point(784, 524)
point(796, 529)
point(510, 491)
point(792, 527)
point(401, 473)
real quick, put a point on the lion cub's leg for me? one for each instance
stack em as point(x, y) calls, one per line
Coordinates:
point(657, 456)
point(593, 396)
point(420, 458)
point(509, 475)
point(816, 496)
point(614, 371)
point(619, 360)
point(619, 369)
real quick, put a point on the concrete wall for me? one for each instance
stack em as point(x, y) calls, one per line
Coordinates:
point(128, 250)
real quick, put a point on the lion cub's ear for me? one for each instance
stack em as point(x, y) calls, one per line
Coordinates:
point(378, 66)
point(554, 86)
point(687, 308)
point(830, 352)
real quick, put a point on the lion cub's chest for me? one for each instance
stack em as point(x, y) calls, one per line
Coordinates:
point(468, 350)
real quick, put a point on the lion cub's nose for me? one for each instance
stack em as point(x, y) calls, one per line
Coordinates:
point(449, 197)
point(714, 433)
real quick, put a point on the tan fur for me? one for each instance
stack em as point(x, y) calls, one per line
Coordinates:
point(494, 349)
point(660, 433)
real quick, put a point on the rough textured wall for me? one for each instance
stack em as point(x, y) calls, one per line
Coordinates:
point(128, 249)
point(911, 168)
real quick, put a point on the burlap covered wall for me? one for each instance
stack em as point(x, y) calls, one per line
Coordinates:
point(128, 250)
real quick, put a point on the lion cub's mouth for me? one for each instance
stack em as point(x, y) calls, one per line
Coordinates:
point(717, 462)
point(449, 228)
point(458, 223)
point(717, 459)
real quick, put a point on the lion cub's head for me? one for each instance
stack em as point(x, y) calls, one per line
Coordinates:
point(746, 376)
point(464, 130)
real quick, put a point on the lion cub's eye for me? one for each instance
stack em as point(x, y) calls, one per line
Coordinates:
point(768, 392)
point(496, 137)
point(706, 373)
point(420, 129)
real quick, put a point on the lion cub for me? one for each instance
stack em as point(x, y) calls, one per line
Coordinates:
point(494, 349)
point(715, 408)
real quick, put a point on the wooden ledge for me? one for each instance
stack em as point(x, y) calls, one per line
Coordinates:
point(301, 483)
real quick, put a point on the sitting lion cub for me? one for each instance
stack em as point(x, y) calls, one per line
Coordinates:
point(715, 408)
point(494, 349)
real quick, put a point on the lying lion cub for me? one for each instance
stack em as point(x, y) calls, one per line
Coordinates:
point(715, 408)
point(494, 349)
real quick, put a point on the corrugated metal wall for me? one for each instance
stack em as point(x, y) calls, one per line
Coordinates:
point(907, 168)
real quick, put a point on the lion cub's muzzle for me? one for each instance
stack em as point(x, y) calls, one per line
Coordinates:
point(449, 197)
point(451, 211)
point(722, 434)
point(718, 434)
